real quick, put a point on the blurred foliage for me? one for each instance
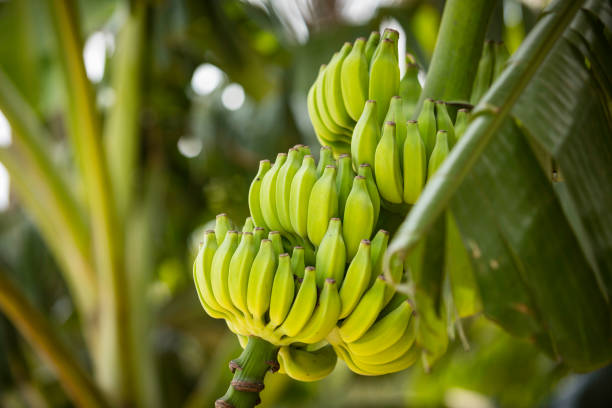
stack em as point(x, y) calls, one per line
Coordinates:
point(273, 50)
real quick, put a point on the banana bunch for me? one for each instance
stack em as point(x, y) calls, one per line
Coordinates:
point(492, 62)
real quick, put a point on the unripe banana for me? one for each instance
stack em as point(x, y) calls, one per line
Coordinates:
point(277, 242)
point(366, 135)
point(324, 134)
point(325, 315)
point(305, 365)
point(405, 345)
point(301, 186)
point(410, 88)
point(254, 192)
point(239, 270)
point(386, 166)
point(371, 45)
point(365, 170)
point(344, 180)
point(444, 122)
point(439, 153)
point(461, 122)
point(283, 187)
point(331, 255)
point(427, 125)
point(357, 279)
point(384, 77)
point(384, 333)
point(354, 79)
point(401, 363)
point(267, 197)
point(220, 271)
point(248, 225)
point(322, 205)
point(415, 163)
point(484, 74)
point(359, 214)
point(259, 233)
point(222, 225)
point(326, 158)
point(396, 114)
point(302, 307)
point(364, 315)
point(261, 278)
point(282, 291)
point(304, 150)
point(333, 88)
point(322, 102)
point(201, 277)
point(390, 35)
point(297, 261)
point(378, 248)
point(501, 59)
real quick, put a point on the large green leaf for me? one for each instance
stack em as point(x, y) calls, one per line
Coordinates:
point(542, 264)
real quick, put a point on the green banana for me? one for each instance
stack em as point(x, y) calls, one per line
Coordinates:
point(344, 180)
point(405, 344)
point(219, 271)
point(305, 365)
point(326, 158)
point(301, 186)
point(201, 277)
point(501, 59)
point(354, 79)
point(260, 283)
point(461, 122)
point(384, 333)
point(390, 35)
point(484, 74)
point(378, 248)
point(304, 151)
point(410, 87)
point(331, 255)
point(303, 305)
point(438, 154)
point(333, 88)
point(322, 205)
point(371, 45)
point(384, 77)
point(239, 269)
point(297, 261)
point(427, 125)
point(364, 315)
point(267, 197)
point(366, 135)
point(357, 279)
point(324, 317)
point(282, 291)
point(399, 364)
point(222, 225)
point(386, 166)
point(248, 225)
point(321, 100)
point(359, 213)
point(396, 114)
point(254, 191)
point(415, 163)
point(324, 134)
point(277, 242)
point(444, 122)
point(283, 188)
point(365, 170)
point(259, 233)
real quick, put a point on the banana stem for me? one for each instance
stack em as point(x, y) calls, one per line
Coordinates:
point(249, 369)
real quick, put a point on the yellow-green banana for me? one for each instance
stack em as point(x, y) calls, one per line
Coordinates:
point(248, 225)
point(364, 315)
point(438, 154)
point(320, 95)
point(325, 315)
point(357, 279)
point(267, 194)
point(283, 187)
point(344, 180)
point(219, 271)
point(396, 114)
point(324, 134)
point(386, 166)
point(261, 278)
point(282, 291)
point(415, 163)
point(371, 45)
point(306, 366)
point(444, 122)
point(384, 77)
point(259, 233)
point(222, 225)
point(239, 270)
point(427, 125)
point(461, 122)
point(333, 88)
point(322, 205)
point(378, 248)
point(297, 261)
point(331, 255)
point(303, 305)
point(277, 242)
point(365, 170)
point(410, 88)
point(405, 344)
point(301, 186)
point(326, 158)
point(359, 216)
point(201, 276)
point(354, 79)
point(366, 135)
point(254, 191)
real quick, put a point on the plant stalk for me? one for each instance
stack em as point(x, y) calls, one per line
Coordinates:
point(249, 369)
